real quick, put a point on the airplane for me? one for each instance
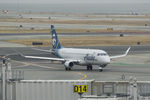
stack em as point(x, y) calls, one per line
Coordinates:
point(77, 56)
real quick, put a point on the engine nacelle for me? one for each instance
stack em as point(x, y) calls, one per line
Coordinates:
point(82, 63)
point(68, 64)
point(104, 65)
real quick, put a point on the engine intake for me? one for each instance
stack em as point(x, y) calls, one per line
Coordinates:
point(68, 64)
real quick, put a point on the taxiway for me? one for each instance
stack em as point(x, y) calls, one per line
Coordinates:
point(136, 64)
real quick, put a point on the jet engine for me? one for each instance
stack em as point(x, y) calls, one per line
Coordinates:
point(68, 64)
point(103, 65)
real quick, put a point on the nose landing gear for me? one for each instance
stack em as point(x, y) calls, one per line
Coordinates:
point(100, 69)
point(90, 67)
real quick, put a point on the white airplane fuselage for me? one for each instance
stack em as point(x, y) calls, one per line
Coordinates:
point(85, 56)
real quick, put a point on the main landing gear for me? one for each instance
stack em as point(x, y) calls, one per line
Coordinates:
point(89, 67)
point(68, 68)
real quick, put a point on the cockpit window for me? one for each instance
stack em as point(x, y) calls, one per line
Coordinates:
point(101, 54)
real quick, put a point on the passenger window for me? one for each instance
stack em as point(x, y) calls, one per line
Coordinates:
point(101, 54)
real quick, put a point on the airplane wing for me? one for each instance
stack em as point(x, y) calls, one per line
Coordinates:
point(52, 59)
point(118, 56)
point(45, 58)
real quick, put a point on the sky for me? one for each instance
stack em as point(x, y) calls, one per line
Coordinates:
point(74, 1)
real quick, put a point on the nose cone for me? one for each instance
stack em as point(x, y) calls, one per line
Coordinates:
point(107, 60)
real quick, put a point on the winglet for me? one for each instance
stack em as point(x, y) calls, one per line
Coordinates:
point(127, 50)
point(118, 56)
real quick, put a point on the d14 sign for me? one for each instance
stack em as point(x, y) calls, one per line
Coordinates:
point(80, 88)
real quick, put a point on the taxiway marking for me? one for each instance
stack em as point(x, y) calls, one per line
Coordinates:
point(84, 75)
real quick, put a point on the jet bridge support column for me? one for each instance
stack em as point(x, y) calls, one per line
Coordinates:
point(6, 76)
point(133, 89)
point(8, 70)
point(4, 79)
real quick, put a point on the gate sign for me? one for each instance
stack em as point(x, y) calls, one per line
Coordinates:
point(80, 88)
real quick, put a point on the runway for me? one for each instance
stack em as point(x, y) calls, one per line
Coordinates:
point(137, 64)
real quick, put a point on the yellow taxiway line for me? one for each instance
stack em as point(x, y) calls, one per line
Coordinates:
point(84, 76)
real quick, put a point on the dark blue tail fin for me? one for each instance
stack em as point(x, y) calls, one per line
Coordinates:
point(55, 42)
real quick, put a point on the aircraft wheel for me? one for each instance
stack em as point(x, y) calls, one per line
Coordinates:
point(100, 69)
point(88, 68)
point(67, 69)
point(91, 67)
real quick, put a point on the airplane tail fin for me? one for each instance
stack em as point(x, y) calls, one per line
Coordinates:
point(55, 42)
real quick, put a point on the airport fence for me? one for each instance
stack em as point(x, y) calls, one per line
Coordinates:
point(118, 89)
point(64, 90)
point(143, 90)
point(0, 90)
point(126, 90)
point(47, 89)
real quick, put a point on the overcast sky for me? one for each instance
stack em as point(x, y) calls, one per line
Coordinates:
point(74, 1)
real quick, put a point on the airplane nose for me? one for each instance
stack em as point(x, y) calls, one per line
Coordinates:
point(107, 60)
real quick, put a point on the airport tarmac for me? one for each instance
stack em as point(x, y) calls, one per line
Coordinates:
point(13, 36)
point(136, 64)
point(71, 26)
